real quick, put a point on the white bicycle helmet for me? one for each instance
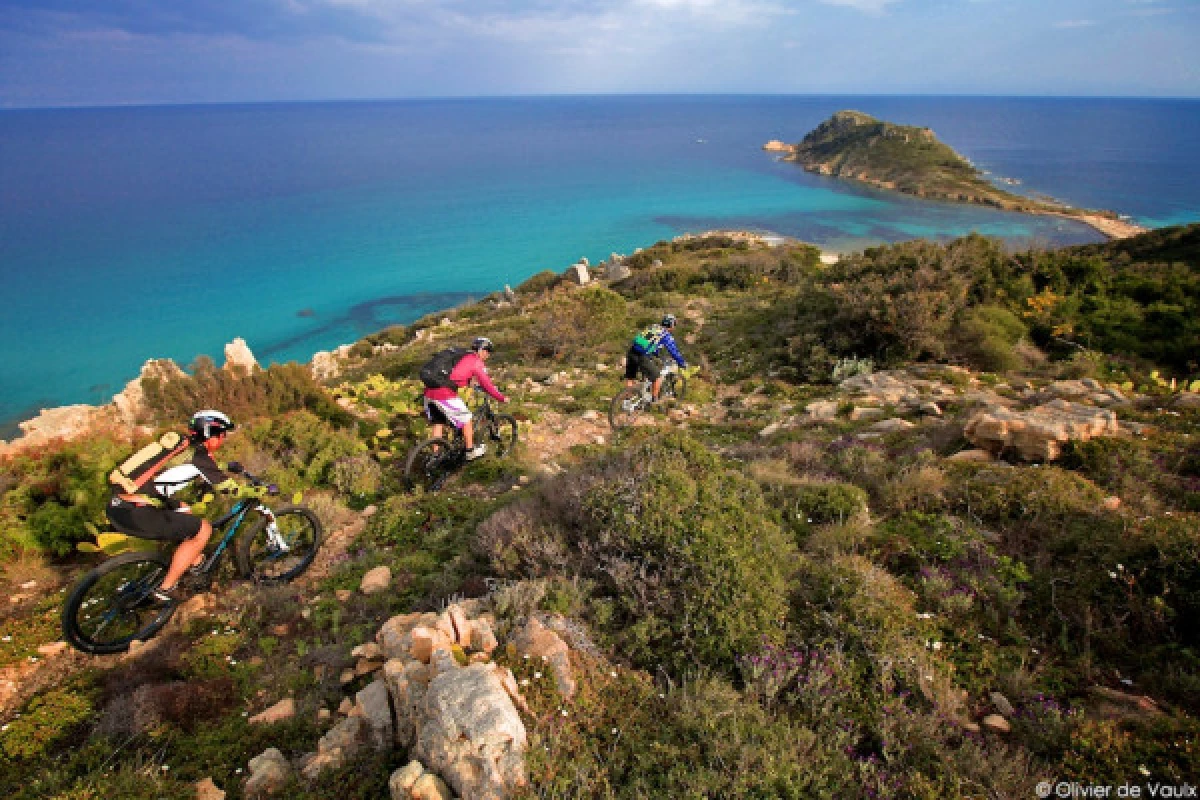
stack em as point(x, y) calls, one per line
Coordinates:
point(209, 423)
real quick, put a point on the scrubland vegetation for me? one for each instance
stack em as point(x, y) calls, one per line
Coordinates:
point(793, 613)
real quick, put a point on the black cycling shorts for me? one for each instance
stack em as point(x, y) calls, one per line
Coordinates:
point(148, 522)
point(636, 362)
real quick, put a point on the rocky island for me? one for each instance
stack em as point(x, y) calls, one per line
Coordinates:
point(910, 159)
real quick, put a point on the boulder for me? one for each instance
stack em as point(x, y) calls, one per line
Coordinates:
point(284, 709)
point(509, 294)
point(342, 742)
point(207, 790)
point(996, 724)
point(470, 733)
point(892, 425)
point(402, 780)
point(972, 456)
point(617, 271)
point(238, 356)
point(376, 580)
point(407, 682)
point(482, 637)
point(858, 413)
point(269, 774)
point(578, 274)
point(430, 787)
point(377, 711)
point(1039, 433)
point(52, 649)
point(822, 409)
point(1002, 705)
point(537, 641)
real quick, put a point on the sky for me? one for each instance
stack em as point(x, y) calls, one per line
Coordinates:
point(118, 52)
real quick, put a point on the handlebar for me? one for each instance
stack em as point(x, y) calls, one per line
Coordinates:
point(254, 480)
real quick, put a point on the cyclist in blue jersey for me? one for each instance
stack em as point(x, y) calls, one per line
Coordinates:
point(645, 353)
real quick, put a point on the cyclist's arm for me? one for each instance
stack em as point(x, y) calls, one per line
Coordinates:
point(485, 383)
point(220, 480)
point(668, 341)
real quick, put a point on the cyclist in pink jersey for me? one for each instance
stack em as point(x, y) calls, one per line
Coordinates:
point(443, 405)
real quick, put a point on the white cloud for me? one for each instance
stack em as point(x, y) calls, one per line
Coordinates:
point(1075, 23)
point(870, 6)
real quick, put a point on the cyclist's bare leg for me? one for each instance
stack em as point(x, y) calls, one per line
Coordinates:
point(188, 554)
point(468, 431)
point(656, 388)
point(435, 430)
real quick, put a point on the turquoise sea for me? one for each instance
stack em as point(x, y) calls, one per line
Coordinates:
point(133, 233)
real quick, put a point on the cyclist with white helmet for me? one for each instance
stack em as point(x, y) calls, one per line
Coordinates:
point(150, 512)
point(644, 353)
point(443, 406)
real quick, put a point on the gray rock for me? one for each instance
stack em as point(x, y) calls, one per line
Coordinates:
point(509, 294)
point(402, 780)
point(340, 744)
point(471, 734)
point(269, 773)
point(822, 409)
point(1002, 705)
point(617, 271)
point(891, 425)
point(377, 710)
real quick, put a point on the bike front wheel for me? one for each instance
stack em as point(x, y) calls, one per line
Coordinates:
point(502, 434)
point(675, 386)
point(280, 553)
point(429, 464)
point(113, 605)
point(625, 407)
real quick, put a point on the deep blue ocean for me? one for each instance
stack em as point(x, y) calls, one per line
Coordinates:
point(134, 233)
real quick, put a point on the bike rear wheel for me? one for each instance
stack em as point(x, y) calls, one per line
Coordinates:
point(502, 434)
point(429, 464)
point(625, 407)
point(111, 606)
point(279, 555)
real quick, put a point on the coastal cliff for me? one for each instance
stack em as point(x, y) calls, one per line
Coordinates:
point(903, 158)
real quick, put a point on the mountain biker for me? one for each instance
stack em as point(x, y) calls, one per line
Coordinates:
point(152, 513)
point(443, 405)
point(644, 354)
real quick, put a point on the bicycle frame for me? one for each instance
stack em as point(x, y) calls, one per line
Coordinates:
point(237, 515)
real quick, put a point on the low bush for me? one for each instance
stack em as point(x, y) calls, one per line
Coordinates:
point(683, 551)
point(47, 719)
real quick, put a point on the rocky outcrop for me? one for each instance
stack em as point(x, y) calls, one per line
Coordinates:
point(1038, 434)
point(776, 146)
point(578, 274)
point(238, 356)
point(130, 403)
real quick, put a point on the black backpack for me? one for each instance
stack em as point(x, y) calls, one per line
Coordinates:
point(436, 373)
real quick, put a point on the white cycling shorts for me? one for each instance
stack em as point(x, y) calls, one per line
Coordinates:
point(453, 410)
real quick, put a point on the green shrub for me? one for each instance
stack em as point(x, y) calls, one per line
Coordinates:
point(683, 546)
point(47, 719)
point(263, 392)
point(306, 446)
point(822, 503)
point(54, 495)
point(987, 336)
point(542, 281)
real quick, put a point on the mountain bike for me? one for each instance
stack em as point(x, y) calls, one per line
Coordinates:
point(112, 605)
point(432, 461)
point(633, 400)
